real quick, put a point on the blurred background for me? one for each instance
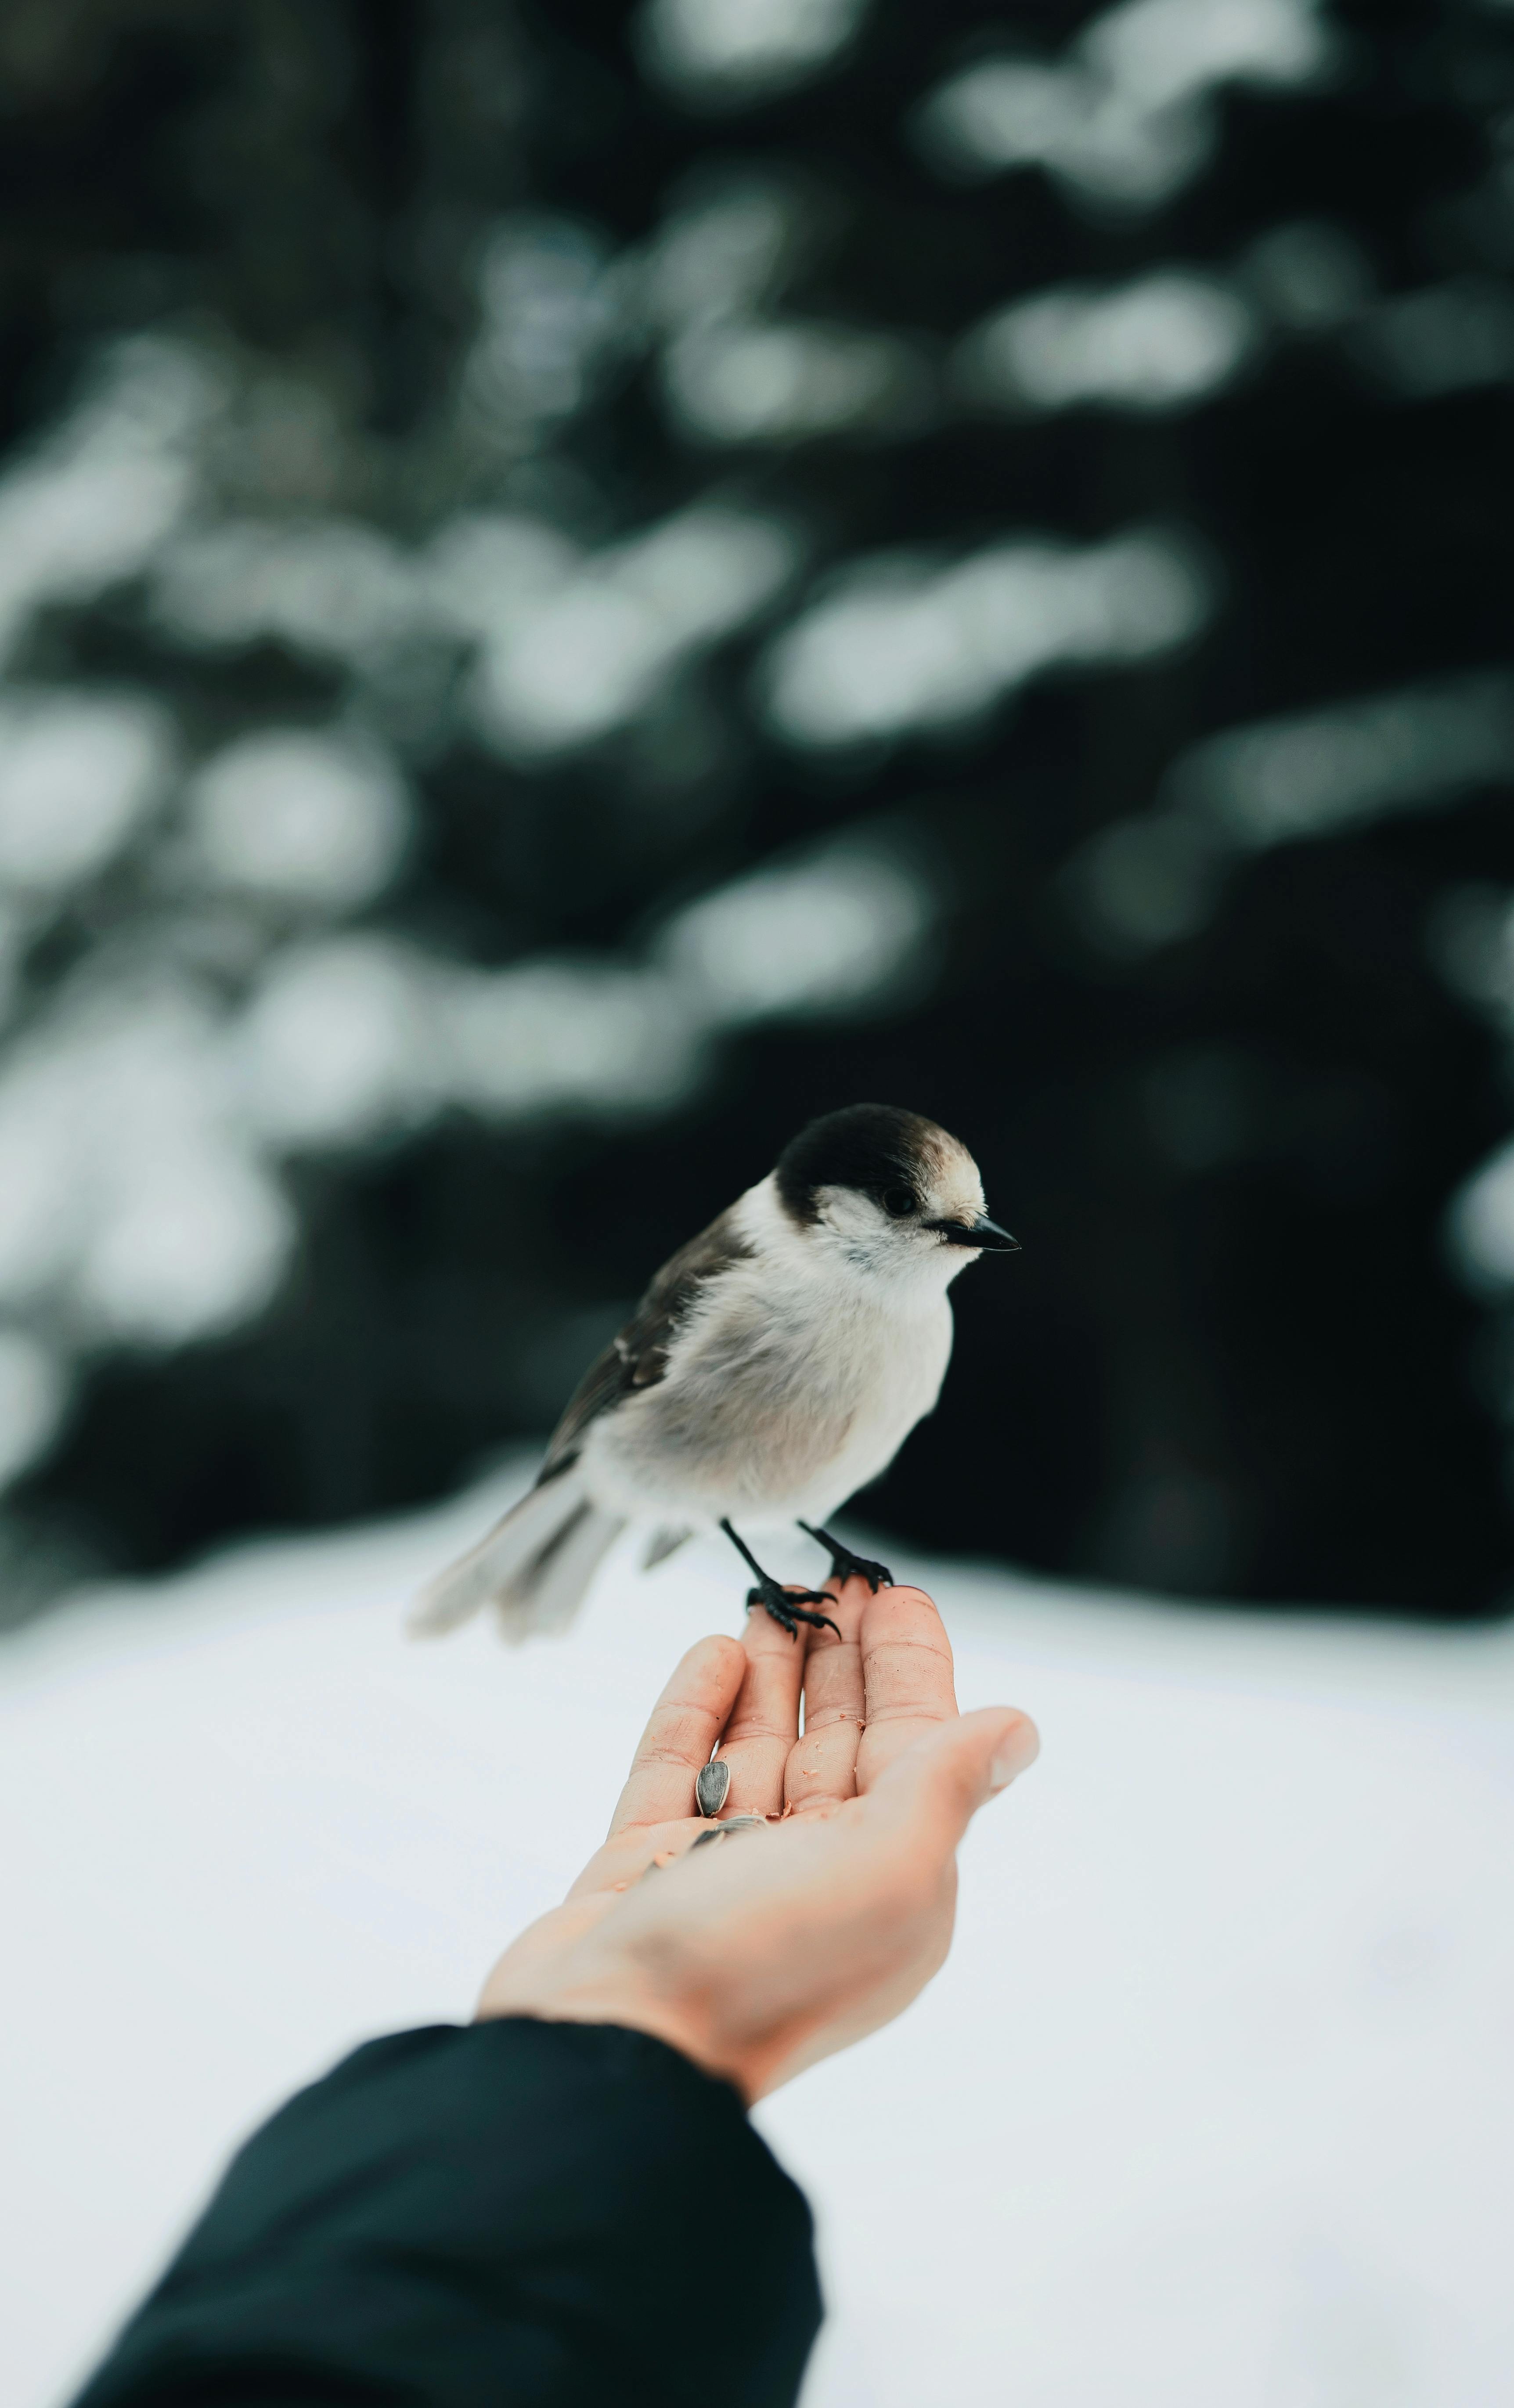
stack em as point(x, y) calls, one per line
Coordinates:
point(577, 585)
point(580, 583)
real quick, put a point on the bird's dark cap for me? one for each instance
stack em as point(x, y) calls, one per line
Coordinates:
point(873, 1148)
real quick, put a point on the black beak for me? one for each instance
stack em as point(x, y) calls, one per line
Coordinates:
point(980, 1232)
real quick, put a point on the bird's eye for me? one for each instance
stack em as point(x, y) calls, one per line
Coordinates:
point(898, 1203)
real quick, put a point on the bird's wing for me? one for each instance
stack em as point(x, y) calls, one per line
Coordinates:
point(637, 1357)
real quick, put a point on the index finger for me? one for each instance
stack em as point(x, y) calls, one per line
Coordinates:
point(908, 1679)
point(686, 1722)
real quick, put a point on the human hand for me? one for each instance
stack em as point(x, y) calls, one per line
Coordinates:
point(778, 1945)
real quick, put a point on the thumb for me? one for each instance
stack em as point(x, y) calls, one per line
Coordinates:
point(937, 1785)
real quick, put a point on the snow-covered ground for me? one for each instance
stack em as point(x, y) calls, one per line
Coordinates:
point(1213, 2104)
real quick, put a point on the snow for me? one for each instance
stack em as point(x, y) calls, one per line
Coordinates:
point(1215, 2100)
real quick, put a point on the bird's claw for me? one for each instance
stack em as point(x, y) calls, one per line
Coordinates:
point(846, 1566)
point(789, 1607)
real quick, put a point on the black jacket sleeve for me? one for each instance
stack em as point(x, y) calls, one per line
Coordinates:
point(510, 2215)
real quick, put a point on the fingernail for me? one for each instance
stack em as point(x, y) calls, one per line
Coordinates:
point(1018, 1748)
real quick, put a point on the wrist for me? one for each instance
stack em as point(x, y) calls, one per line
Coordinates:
point(562, 1972)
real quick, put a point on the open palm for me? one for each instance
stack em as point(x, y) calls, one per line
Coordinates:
point(764, 1952)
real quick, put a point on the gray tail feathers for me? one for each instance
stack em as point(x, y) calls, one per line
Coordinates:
point(535, 1566)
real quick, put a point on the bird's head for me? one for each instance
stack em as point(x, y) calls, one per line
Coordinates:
point(891, 1192)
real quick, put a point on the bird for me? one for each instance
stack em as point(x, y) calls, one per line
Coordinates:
point(774, 1365)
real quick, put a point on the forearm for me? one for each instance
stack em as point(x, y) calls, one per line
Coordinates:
point(544, 2213)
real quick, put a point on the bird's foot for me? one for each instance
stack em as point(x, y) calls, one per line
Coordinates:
point(845, 1566)
point(789, 1607)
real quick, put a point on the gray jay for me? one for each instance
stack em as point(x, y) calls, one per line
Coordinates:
point(774, 1365)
